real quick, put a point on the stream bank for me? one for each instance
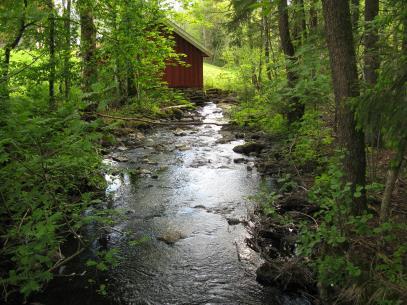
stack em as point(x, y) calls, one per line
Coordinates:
point(184, 193)
point(191, 214)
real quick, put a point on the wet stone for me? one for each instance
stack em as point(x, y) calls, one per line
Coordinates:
point(171, 237)
point(248, 148)
point(120, 158)
point(233, 221)
point(122, 148)
point(182, 147)
point(199, 206)
point(240, 160)
point(179, 132)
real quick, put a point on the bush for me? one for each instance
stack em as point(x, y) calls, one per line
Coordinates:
point(357, 260)
point(50, 170)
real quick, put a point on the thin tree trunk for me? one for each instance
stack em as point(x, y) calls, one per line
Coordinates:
point(4, 81)
point(51, 45)
point(397, 162)
point(67, 68)
point(251, 46)
point(345, 82)
point(371, 60)
point(354, 13)
point(392, 175)
point(132, 89)
point(5, 66)
point(301, 21)
point(266, 41)
point(117, 69)
point(260, 69)
point(296, 109)
point(88, 46)
point(299, 25)
point(313, 17)
point(371, 57)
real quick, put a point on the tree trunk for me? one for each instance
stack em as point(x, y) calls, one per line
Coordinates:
point(300, 26)
point(345, 82)
point(51, 46)
point(132, 89)
point(371, 58)
point(296, 109)
point(397, 162)
point(313, 17)
point(4, 81)
point(391, 179)
point(250, 30)
point(67, 55)
point(355, 14)
point(5, 65)
point(266, 41)
point(88, 46)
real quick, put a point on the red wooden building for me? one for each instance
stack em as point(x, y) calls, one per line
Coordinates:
point(190, 76)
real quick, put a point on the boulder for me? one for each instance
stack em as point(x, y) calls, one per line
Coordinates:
point(120, 158)
point(247, 148)
point(233, 221)
point(171, 237)
point(240, 160)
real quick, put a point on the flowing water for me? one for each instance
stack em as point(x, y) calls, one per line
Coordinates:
point(185, 209)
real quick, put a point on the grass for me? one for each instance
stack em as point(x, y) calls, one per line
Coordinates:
point(218, 77)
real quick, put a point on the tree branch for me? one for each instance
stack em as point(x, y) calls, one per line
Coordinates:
point(158, 122)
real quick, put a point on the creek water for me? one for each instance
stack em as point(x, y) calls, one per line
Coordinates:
point(185, 209)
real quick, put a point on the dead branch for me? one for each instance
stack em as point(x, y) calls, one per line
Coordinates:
point(160, 122)
point(177, 107)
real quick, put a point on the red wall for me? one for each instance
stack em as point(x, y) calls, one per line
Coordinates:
point(185, 77)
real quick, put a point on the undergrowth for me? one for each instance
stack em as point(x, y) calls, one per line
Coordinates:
point(50, 181)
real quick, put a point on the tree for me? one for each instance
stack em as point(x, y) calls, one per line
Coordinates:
point(266, 42)
point(339, 38)
point(396, 126)
point(67, 51)
point(354, 7)
point(88, 45)
point(51, 46)
point(371, 56)
point(296, 108)
point(313, 16)
point(300, 26)
point(11, 44)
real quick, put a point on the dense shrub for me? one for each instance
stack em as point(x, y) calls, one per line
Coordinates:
point(50, 170)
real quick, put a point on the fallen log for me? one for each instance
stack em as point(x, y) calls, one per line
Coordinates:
point(178, 107)
point(160, 122)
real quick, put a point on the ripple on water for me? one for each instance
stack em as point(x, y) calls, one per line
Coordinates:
point(192, 255)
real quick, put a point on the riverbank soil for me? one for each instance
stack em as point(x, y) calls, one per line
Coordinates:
point(283, 212)
point(182, 187)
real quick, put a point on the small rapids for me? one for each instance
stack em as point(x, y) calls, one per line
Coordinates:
point(187, 209)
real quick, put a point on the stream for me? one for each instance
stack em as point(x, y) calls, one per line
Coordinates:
point(186, 205)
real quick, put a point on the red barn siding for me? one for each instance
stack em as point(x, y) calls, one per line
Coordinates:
point(185, 77)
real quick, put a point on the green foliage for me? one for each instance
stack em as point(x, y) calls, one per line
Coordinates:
point(364, 264)
point(258, 113)
point(267, 202)
point(135, 45)
point(50, 170)
point(311, 139)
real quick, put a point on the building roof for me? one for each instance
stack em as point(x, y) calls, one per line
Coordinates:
point(178, 30)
